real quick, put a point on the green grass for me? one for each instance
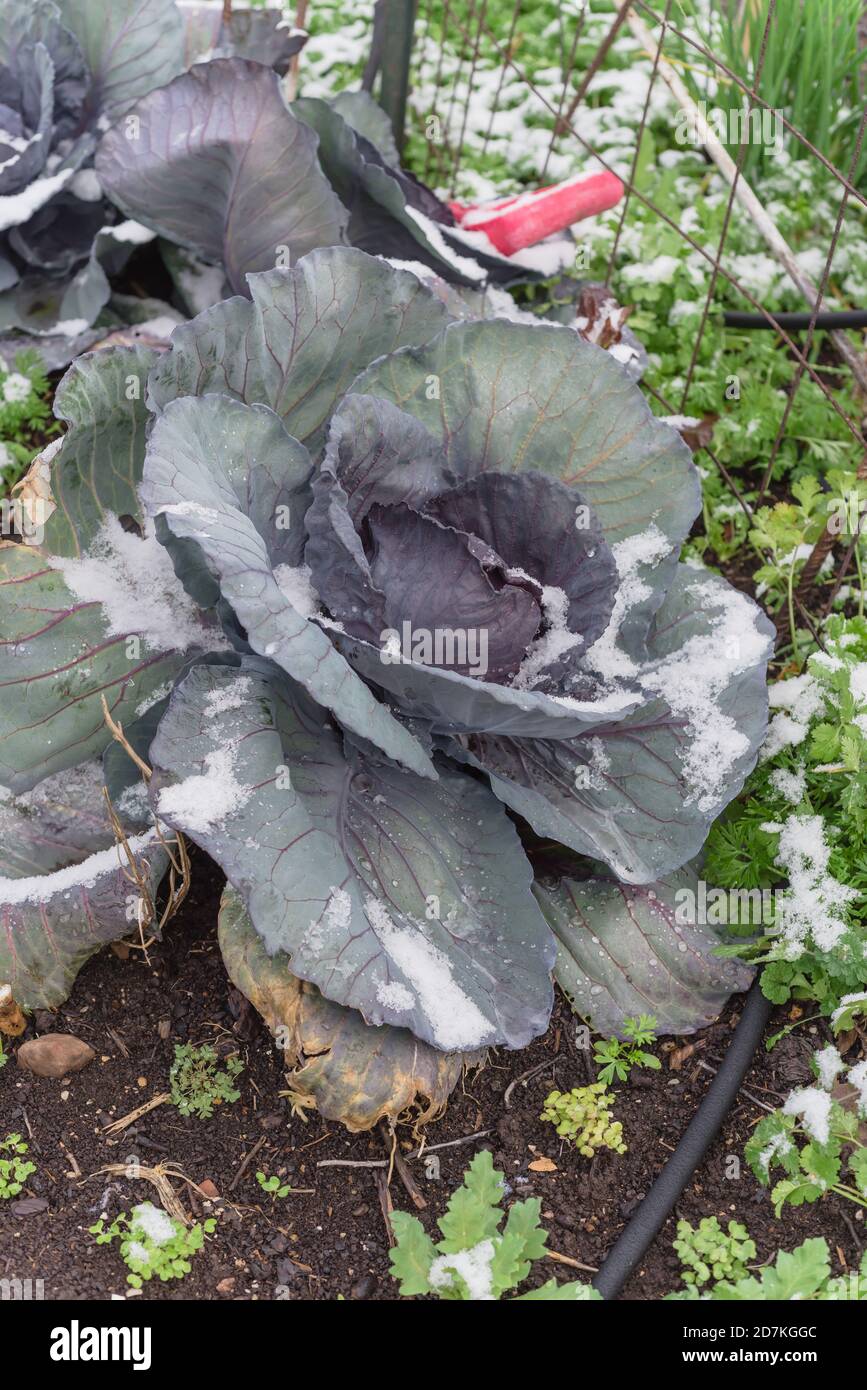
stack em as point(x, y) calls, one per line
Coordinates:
point(812, 71)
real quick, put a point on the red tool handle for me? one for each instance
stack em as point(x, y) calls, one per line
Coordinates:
point(512, 224)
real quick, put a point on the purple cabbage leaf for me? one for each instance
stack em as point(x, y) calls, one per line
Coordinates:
point(423, 583)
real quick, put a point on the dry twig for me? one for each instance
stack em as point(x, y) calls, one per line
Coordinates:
point(117, 1126)
point(245, 1162)
point(567, 1260)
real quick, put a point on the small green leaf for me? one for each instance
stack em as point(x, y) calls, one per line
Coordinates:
point(797, 1274)
point(484, 1180)
point(413, 1255)
point(523, 1221)
point(562, 1293)
point(467, 1220)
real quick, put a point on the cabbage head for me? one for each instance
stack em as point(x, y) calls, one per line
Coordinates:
point(392, 605)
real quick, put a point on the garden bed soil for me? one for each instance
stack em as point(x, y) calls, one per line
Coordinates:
point(333, 1240)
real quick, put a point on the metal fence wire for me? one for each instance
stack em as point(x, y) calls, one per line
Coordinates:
point(464, 67)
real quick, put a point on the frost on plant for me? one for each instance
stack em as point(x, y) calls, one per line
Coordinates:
point(153, 1245)
point(475, 1261)
point(801, 828)
point(816, 1137)
point(413, 592)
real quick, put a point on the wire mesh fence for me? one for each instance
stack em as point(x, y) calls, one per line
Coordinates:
point(509, 94)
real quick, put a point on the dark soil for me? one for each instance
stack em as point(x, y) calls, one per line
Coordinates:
point(333, 1240)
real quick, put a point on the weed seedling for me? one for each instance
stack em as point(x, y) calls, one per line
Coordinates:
point(583, 1115)
point(153, 1244)
point(15, 1170)
point(474, 1261)
point(198, 1082)
point(617, 1058)
point(706, 1252)
point(273, 1185)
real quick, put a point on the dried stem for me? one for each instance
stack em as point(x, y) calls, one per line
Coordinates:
point(159, 1177)
point(290, 81)
point(118, 734)
point(117, 1126)
point(174, 846)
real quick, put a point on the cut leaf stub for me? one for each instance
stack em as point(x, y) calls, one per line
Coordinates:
point(355, 1074)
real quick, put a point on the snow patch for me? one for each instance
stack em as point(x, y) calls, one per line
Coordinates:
point(792, 786)
point(814, 1108)
point(780, 1144)
point(395, 996)
point(204, 800)
point(16, 388)
point(799, 700)
point(470, 269)
point(42, 887)
point(153, 1222)
point(846, 1000)
point(458, 1024)
point(132, 232)
point(228, 697)
point(134, 582)
point(829, 1065)
point(295, 586)
point(857, 1077)
point(555, 641)
point(18, 208)
point(646, 548)
point(333, 923)
point(815, 902)
point(473, 1266)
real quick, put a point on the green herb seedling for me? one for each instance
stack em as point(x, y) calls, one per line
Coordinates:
point(273, 1185)
point(583, 1115)
point(802, 1275)
point(153, 1244)
point(475, 1261)
point(706, 1252)
point(14, 1171)
point(617, 1058)
point(198, 1082)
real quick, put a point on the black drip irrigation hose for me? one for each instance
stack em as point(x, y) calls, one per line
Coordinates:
point(832, 318)
point(647, 1221)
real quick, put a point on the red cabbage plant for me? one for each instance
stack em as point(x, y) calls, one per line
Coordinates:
point(392, 606)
